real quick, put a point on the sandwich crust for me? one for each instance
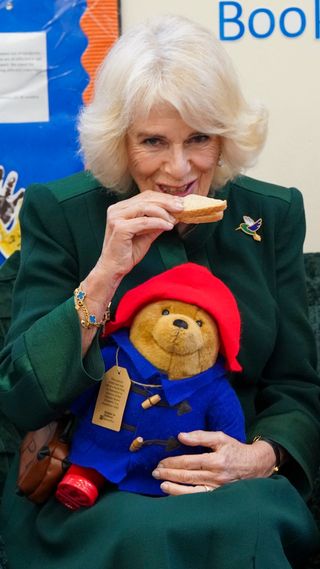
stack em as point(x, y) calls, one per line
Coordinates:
point(200, 209)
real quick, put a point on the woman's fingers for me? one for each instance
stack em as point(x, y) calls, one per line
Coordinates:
point(147, 204)
point(194, 477)
point(140, 225)
point(180, 489)
point(228, 461)
point(142, 211)
point(201, 461)
point(210, 439)
point(170, 203)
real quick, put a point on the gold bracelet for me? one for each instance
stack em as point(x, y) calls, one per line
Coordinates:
point(88, 320)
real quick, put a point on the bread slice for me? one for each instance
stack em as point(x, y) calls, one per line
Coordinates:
point(200, 209)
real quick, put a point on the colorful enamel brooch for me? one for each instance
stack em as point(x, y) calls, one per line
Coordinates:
point(250, 227)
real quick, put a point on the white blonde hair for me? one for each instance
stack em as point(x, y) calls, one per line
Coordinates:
point(174, 60)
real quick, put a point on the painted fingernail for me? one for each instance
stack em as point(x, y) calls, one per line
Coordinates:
point(156, 474)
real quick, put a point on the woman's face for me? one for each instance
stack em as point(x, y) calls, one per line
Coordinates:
point(167, 155)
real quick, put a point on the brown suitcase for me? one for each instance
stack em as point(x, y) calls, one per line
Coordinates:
point(43, 459)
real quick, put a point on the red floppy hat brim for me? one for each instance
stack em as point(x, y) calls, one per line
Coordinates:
point(193, 284)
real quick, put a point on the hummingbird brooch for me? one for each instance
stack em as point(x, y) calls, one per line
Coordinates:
point(250, 227)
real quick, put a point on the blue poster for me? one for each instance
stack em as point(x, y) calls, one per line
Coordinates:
point(41, 86)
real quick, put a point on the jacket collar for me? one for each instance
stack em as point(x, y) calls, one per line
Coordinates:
point(175, 390)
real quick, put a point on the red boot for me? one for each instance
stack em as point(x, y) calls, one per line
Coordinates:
point(79, 487)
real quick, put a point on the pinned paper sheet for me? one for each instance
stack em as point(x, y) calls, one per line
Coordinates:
point(23, 78)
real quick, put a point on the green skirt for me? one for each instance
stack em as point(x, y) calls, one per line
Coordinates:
point(260, 523)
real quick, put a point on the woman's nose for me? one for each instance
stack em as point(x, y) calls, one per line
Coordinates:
point(177, 163)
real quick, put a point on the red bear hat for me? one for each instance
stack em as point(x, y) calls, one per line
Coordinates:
point(193, 284)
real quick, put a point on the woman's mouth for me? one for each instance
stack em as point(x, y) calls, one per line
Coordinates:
point(180, 191)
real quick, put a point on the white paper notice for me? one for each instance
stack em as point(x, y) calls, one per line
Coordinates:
point(23, 78)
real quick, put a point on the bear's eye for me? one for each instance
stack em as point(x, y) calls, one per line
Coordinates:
point(199, 322)
point(165, 312)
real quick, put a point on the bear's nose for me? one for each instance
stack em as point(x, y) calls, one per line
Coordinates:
point(180, 323)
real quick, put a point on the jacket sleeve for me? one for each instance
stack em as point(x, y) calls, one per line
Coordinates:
point(41, 366)
point(288, 401)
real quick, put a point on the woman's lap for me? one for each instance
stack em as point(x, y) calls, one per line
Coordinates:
point(253, 523)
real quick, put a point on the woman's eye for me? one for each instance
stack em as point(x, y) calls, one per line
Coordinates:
point(199, 322)
point(199, 138)
point(152, 141)
point(165, 312)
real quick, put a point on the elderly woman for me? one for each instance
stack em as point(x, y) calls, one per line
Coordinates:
point(168, 119)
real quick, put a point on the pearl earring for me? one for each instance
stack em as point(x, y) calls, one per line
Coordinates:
point(220, 160)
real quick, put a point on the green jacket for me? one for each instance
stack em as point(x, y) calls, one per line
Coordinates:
point(42, 372)
point(62, 230)
point(9, 435)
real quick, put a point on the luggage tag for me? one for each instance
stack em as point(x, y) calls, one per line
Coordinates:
point(112, 399)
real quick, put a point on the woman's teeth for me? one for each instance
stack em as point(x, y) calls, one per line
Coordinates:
point(175, 190)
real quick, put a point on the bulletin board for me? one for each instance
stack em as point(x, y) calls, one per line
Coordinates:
point(49, 54)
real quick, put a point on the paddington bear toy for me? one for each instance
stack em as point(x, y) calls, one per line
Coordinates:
point(166, 356)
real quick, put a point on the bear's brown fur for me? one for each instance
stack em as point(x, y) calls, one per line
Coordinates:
point(178, 338)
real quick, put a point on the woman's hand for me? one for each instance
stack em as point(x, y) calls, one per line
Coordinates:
point(132, 226)
point(229, 461)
